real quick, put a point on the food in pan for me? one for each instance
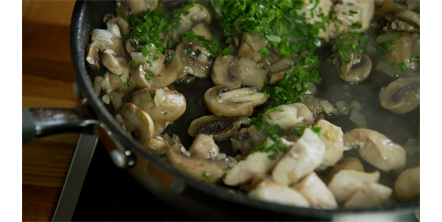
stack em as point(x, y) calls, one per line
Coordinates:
point(289, 82)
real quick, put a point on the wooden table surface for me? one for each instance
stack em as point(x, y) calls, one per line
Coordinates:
point(47, 82)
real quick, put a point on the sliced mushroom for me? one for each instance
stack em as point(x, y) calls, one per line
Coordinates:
point(344, 20)
point(142, 79)
point(202, 30)
point(115, 63)
point(208, 170)
point(128, 7)
point(197, 14)
point(401, 96)
point(275, 192)
point(204, 147)
point(250, 75)
point(370, 195)
point(316, 192)
point(333, 137)
point(163, 105)
point(171, 71)
point(137, 122)
point(407, 184)
point(118, 25)
point(222, 101)
point(401, 50)
point(196, 60)
point(111, 82)
point(300, 159)
point(92, 55)
point(377, 149)
point(221, 74)
point(292, 114)
point(110, 39)
point(408, 16)
point(345, 183)
point(219, 128)
point(357, 69)
point(242, 142)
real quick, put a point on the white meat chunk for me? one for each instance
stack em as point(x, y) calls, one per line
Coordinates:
point(275, 192)
point(347, 182)
point(370, 195)
point(407, 184)
point(333, 137)
point(362, 11)
point(377, 149)
point(292, 114)
point(255, 163)
point(301, 159)
point(350, 163)
point(316, 192)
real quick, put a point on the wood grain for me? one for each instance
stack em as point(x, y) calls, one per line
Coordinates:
point(47, 79)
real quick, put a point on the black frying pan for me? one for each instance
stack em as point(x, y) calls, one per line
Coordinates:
point(199, 199)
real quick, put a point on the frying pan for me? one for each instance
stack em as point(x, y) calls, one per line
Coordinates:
point(196, 198)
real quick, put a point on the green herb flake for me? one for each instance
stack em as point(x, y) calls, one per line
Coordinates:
point(205, 176)
point(211, 151)
point(162, 155)
point(127, 79)
point(153, 95)
point(189, 50)
point(231, 165)
point(270, 117)
point(264, 51)
point(165, 113)
point(353, 12)
point(278, 108)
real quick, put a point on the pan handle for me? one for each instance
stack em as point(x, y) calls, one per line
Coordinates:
point(41, 122)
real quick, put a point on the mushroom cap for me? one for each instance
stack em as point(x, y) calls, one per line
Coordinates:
point(138, 122)
point(200, 168)
point(407, 184)
point(196, 60)
point(173, 68)
point(401, 96)
point(377, 149)
point(219, 107)
point(221, 74)
point(139, 75)
point(351, 72)
point(219, 128)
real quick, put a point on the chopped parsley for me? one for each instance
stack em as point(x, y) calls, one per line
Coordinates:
point(264, 51)
point(149, 74)
point(352, 12)
point(169, 57)
point(300, 129)
point(165, 113)
point(162, 155)
point(205, 176)
point(351, 42)
point(211, 151)
point(153, 95)
point(213, 46)
point(276, 146)
point(127, 79)
point(356, 25)
point(412, 58)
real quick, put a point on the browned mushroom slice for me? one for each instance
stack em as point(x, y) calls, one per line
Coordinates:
point(250, 75)
point(408, 16)
point(197, 14)
point(137, 122)
point(128, 7)
point(219, 128)
point(115, 63)
point(357, 69)
point(222, 101)
point(196, 60)
point(242, 142)
point(221, 74)
point(164, 106)
point(206, 169)
point(202, 30)
point(92, 55)
point(250, 47)
point(401, 96)
point(171, 71)
point(377, 149)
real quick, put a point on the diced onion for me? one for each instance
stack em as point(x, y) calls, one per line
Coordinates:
point(245, 120)
point(355, 105)
point(235, 144)
point(120, 121)
point(186, 153)
point(327, 107)
point(160, 97)
point(97, 85)
point(188, 79)
point(168, 140)
point(358, 119)
point(106, 99)
point(222, 156)
point(311, 89)
point(176, 139)
point(116, 100)
point(342, 107)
